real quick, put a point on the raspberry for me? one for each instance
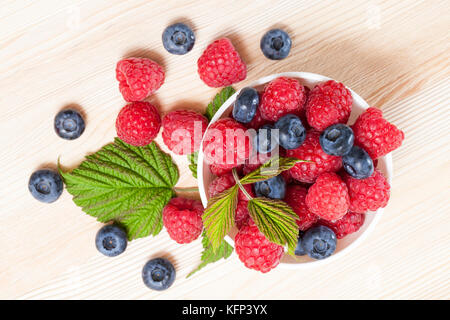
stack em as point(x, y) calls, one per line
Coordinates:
point(348, 224)
point(138, 78)
point(183, 219)
point(282, 96)
point(255, 251)
point(376, 135)
point(220, 65)
point(328, 103)
point(255, 161)
point(367, 194)
point(312, 151)
point(227, 143)
point(241, 215)
point(138, 123)
point(219, 171)
point(183, 131)
point(226, 181)
point(328, 197)
point(295, 197)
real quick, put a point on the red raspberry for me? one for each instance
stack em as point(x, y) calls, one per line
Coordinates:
point(254, 162)
point(348, 224)
point(227, 143)
point(376, 135)
point(255, 251)
point(241, 215)
point(282, 96)
point(183, 219)
point(226, 181)
point(328, 197)
point(312, 151)
point(219, 171)
point(138, 78)
point(183, 131)
point(367, 194)
point(328, 103)
point(220, 65)
point(295, 197)
point(138, 123)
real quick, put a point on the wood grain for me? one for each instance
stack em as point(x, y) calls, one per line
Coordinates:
point(395, 54)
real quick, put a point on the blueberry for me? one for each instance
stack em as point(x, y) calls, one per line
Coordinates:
point(319, 242)
point(158, 274)
point(111, 240)
point(69, 124)
point(45, 185)
point(178, 38)
point(245, 105)
point(276, 44)
point(292, 132)
point(357, 163)
point(274, 188)
point(299, 250)
point(337, 140)
point(264, 141)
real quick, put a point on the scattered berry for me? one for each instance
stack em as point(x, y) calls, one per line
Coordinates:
point(299, 250)
point(178, 38)
point(295, 197)
point(282, 96)
point(245, 106)
point(183, 131)
point(69, 124)
point(319, 242)
point(158, 274)
point(328, 103)
point(111, 240)
point(375, 134)
point(255, 251)
point(292, 133)
point(320, 161)
point(45, 185)
point(348, 224)
point(220, 65)
point(337, 140)
point(138, 78)
point(182, 219)
point(276, 44)
point(241, 215)
point(224, 182)
point(138, 123)
point(328, 197)
point(263, 141)
point(358, 163)
point(368, 194)
point(273, 188)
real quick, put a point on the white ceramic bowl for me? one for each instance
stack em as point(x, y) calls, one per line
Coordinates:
point(344, 246)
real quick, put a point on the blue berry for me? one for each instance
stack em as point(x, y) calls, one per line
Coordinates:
point(276, 44)
point(264, 142)
point(299, 250)
point(45, 185)
point(245, 105)
point(69, 124)
point(337, 140)
point(319, 242)
point(292, 132)
point(357, 163)
point(158, 274)
point(178, 38)
point(111, 240)
point(274, 188)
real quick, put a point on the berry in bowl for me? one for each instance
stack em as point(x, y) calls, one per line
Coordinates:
point(294, 170)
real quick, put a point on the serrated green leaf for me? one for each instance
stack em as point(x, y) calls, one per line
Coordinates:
point(276, 220)
point(127, 184)
point(209, 255)
point(218, 101)
point(218, 217)
point(193, 159)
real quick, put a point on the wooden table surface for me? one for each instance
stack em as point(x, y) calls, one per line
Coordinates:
point(55, 54)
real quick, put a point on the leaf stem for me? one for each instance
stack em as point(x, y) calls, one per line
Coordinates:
point(185, 190)
point(238, 182)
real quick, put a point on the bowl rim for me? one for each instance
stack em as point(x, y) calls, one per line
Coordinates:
point(311, 77)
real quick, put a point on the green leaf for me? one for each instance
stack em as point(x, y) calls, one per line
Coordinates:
point(218, 217)
point(193, 159)
point(127, 184)
point(269, 169)
point(218, 101)
point(276, 220)
point(209, 255)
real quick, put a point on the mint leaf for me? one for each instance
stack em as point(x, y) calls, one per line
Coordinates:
point(218, 101)
point(193, 159)
point(127, 184)
point(209, 255)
